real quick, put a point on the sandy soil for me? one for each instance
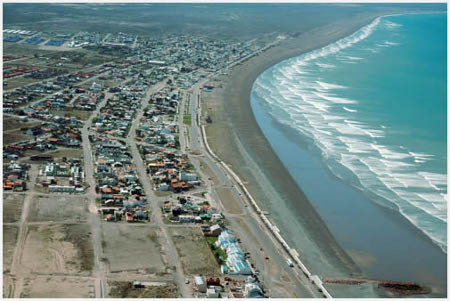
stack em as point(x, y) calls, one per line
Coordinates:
point(10, 123)
point(196, 256)
point(12, 207)
point(14, 136)
point(58, 287)
point(57, 249)
point(9, 242)
point(132, 248)
point(229, 200)
point(58, 208)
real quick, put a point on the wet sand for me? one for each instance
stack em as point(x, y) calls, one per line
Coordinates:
point(235, 137)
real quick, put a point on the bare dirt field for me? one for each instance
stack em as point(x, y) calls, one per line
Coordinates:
point(61, 152)
point(19, 81)
point(82, 115)
point(9, 243)
point(229, 201)
point(58, 208)
point(196, 256)
point(14, 136)
point(125, 289)
point(58, 287)
point(131, 247)
point(205, 168)
point(8, 283)
point(67, 152)
point(12, 129)
point(12, 207)
point(10, 123)
point(58, 249)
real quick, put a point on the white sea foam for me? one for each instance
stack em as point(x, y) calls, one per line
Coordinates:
point(386, 153)
point(391, 25)
point(341, 44)
point(335, 99)
point(389, 172)
point(421, 158)
point(391, 43)
point(327, 66)
point(328, 86)
point(353, 58)
point(355, 146)
point(350, 110)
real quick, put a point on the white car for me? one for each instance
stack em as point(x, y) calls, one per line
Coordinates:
point(289, 263)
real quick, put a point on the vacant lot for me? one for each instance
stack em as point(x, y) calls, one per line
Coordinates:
point(82, 115)
point(58, 208)
point(125, 289)
point(9, 243)
point(229, 200)
point(196, 256)
point(14, 136)
point(67, 152)
point(61, 152)
point(8, 285)
point(10, 123)
point(61, 249)
point(18, 81)
point(132, 248)
point(12, 207)
point(58, 287)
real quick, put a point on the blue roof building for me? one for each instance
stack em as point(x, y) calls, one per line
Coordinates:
point(235, 262)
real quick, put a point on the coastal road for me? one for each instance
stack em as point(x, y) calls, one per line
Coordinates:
point(274, 270)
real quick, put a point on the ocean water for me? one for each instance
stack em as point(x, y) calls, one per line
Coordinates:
point(374, 105)
point(360, 123)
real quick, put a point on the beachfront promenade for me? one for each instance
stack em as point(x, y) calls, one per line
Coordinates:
point(198, 142)
point(273, 230)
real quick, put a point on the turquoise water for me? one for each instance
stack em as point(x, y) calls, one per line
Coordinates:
point(372, 107)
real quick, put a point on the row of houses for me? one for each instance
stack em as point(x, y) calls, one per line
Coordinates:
point(192, 209)
point(214, 287)
point(66, 175)
point(15, 175)
point(117, 115)
point(121, 193)
point(158, 125)
point(168, 169)
point(22, 95)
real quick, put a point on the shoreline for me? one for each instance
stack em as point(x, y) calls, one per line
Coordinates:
point(240, 134)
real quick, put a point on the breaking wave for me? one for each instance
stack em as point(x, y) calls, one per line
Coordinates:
point(313, 107)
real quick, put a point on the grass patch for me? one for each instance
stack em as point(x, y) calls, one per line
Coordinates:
point(162, 193)
point(187, 119)
point(220, 254)
point(122, 289)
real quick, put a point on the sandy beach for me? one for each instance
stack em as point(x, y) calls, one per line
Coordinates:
point(236, 138)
